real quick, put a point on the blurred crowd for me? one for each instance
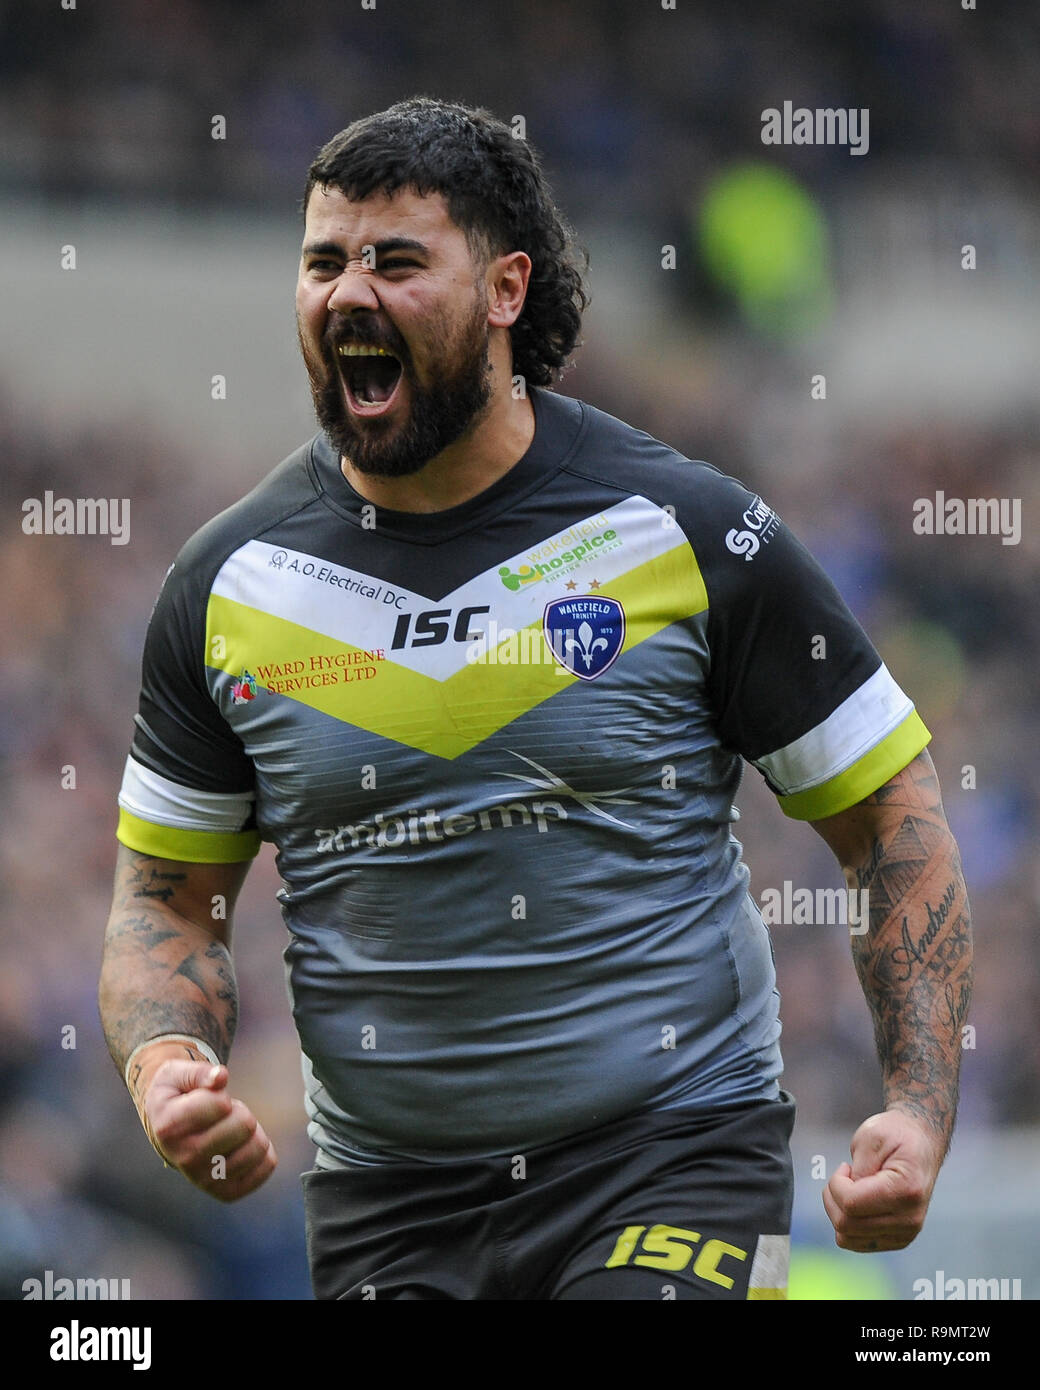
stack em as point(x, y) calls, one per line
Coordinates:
point(633, 105)
point(632, 100)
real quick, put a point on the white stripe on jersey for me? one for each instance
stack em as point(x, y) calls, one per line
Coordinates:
point(154, 798)
point(856, 726)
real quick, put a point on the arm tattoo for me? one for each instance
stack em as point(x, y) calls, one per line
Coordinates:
point(150, 882)
point(227, 992)
point(915, 961)
point(190, 970)
point(162, 972)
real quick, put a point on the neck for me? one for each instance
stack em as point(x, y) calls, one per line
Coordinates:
point(475, 461)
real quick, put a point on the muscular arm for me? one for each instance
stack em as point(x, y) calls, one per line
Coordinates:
point(167, 969)
point(915, 965)
point(166, 966)
point(915, 960)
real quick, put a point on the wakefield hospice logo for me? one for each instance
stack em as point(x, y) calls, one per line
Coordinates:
point(584, 634)
point(551, 560)
point(524, 575)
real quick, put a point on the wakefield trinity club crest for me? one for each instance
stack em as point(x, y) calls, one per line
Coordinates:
point(585, 634)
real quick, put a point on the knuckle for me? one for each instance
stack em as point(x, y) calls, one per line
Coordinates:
point(164, 1130)
point(192, 1161)
point(241, 1161)
point(193, 1148)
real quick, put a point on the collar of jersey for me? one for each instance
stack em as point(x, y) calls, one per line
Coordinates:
point(559, 424)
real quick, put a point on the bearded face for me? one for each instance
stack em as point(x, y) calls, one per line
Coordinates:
point(390, 403)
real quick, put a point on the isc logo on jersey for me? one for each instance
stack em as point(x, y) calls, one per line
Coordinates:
point(584, 634)
point(432, 627)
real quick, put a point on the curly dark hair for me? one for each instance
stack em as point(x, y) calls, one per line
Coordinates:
point(496, 193)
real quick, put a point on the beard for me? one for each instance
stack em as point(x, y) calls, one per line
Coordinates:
point(436, 417)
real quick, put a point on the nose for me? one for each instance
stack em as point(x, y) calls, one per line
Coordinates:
point(353, 290)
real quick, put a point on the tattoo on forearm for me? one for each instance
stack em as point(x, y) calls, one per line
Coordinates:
point(153, 883)
point(152, 936)
point(190, 970)
point(915, 961)
point(148, 1018)
point(161, 973)
point(913, 951)
point(956, 1002)
point(228, 991)
point(865, 872)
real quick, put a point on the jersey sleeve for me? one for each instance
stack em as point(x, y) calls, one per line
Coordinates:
point(188, 786)
point(799, 689)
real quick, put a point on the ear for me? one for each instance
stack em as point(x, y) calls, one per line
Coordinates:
point(506, 280)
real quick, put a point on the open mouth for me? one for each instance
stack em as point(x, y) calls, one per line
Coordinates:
point(371, 376)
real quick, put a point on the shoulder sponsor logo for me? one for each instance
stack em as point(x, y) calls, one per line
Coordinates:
point(760, 522)
point(585, 634)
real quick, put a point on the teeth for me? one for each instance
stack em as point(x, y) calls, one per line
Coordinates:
point(353, 350)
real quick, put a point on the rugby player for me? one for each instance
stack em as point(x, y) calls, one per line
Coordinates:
point(484, 663)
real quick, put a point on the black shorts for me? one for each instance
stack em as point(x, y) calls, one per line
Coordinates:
point(677, 1204)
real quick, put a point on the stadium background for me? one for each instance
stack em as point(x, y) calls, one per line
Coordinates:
point(789, 261)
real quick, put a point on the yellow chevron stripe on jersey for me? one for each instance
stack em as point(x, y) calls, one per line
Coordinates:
point(188, 846)
point(442, 717)
point(865, 775)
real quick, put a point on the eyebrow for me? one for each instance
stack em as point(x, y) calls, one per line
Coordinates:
point(397, 243)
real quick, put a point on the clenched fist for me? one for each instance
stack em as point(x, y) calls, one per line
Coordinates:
point(880, 1200)
point(191, 1120)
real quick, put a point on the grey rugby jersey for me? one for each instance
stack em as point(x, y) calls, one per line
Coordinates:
point(497, 749)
